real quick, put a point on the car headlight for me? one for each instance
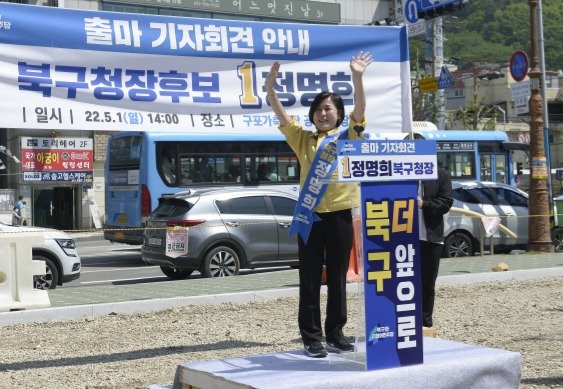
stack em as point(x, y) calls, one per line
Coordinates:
point(66, 243)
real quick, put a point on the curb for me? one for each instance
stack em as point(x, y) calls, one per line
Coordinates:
point(151, 305)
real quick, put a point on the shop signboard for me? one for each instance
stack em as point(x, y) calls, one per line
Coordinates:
point(57, 159)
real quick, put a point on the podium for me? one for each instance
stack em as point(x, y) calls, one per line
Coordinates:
point(389, 172)
point(447, 364)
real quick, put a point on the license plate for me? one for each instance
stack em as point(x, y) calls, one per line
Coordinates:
point(155, 241)
point(119, 235)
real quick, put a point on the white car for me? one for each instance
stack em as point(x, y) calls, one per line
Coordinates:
point(59, 253)
point(462, 234)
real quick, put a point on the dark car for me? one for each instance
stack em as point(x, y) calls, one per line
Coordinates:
point(227, 229)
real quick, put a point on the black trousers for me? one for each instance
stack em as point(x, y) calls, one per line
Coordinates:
point(329, 243)
point(430, 254)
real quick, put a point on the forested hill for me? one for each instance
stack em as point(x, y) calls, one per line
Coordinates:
point(491, 30)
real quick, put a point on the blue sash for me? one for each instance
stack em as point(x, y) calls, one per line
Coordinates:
point(315, 185)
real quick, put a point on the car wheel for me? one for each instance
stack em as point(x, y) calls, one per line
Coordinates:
point(557, 238)
point(176, 274)
point(221, 261)
point(51, 278)
point(458, 245)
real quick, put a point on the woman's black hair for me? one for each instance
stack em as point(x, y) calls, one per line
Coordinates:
point(335, 98)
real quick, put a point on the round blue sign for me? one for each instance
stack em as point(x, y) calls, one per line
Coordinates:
point(411, 11)
point(519, 65)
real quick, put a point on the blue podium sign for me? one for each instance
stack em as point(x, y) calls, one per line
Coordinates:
point(389, 172)
point(393, 311)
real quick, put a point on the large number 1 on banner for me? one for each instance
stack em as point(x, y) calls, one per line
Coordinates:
point(345, 167)
point(247, 74)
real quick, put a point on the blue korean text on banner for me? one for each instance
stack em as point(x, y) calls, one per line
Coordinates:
point(314, 186)
point(393, 309)
point(76, 69)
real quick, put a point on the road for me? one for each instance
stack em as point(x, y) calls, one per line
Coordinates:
point(113, 263)
point(117, 264)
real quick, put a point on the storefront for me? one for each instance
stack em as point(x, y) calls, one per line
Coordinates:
point(55, 175)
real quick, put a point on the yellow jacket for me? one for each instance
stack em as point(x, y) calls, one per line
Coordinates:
point(338, 195)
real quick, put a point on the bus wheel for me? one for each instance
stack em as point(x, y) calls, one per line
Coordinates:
point(458, 245)
point(176, 274)
point(221, 261)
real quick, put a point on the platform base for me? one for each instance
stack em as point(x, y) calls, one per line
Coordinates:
point(446, 365)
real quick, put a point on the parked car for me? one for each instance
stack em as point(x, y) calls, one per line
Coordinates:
point(58, 252)
point(229, 229)
point(463, 233)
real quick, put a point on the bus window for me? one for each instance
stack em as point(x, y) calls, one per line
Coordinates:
point(500, 171)
point(486, 172)
point(166, 164)
point(460, 164)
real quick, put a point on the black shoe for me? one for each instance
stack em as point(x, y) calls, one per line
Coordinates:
point(315, 349)
point(339, 344)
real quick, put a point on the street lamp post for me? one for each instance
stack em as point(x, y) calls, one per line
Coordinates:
point(539, 237)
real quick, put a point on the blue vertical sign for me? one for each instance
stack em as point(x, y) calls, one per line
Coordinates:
point(393, 310)
point(389, 172)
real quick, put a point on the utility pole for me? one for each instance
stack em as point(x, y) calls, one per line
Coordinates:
point(539, 237)
point(439, 62)
point(433, 61)
point(541, 44)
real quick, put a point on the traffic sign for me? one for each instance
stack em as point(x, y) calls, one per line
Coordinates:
point(425, 5)
point(428, 84)
point(411, 11)
point(521, 92)
point(446, 79)
point(415, 26)
point(519, 65)
point(434, 8)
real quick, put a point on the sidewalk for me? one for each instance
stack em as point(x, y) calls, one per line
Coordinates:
point(91, 301)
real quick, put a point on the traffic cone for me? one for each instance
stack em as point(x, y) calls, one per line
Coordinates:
point(355, 266)
point(354, 273)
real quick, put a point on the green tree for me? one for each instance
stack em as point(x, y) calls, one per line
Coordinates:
point(490, 31)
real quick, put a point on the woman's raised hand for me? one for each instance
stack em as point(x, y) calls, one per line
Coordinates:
point(271, 78)
point(359, 63)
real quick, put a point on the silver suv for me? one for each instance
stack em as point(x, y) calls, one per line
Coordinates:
point(229, 229)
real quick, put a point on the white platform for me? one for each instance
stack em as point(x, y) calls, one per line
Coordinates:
point(446, 365)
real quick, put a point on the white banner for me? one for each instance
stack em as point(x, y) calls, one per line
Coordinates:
point(75, 69)
point(490, 224)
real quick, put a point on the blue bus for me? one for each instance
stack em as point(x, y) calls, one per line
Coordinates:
point(141, 167)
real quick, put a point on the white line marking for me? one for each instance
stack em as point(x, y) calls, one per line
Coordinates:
point(121, 279)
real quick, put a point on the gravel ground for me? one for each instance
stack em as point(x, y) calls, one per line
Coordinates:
point(134, 351)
